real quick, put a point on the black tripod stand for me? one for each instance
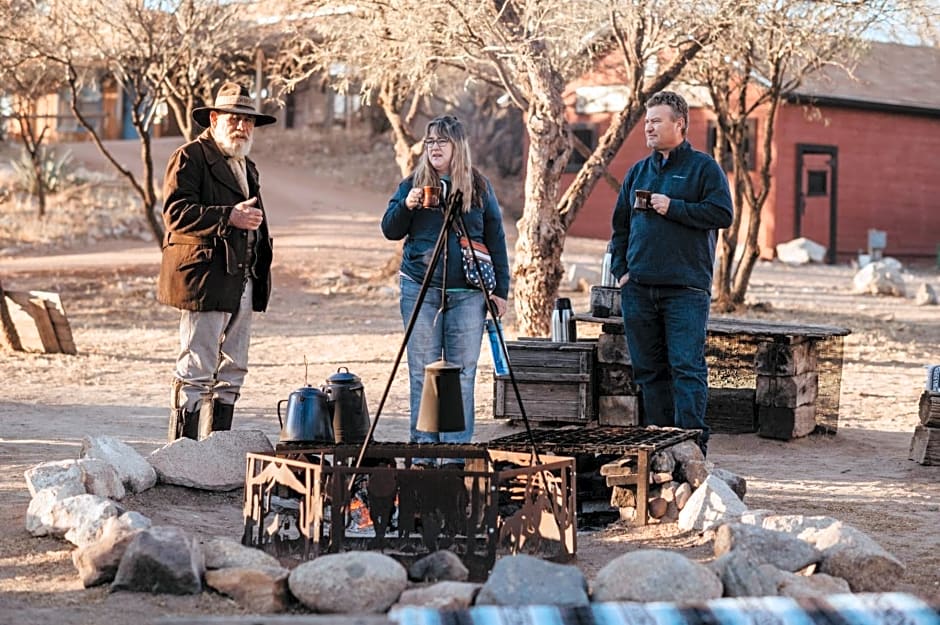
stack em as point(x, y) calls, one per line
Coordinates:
point(452, 213)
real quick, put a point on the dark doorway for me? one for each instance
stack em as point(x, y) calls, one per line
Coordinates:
point(817, 168)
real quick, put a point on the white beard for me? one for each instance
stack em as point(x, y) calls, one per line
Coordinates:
point(232, 146)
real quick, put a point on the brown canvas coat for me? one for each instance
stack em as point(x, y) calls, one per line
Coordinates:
point(204, 261)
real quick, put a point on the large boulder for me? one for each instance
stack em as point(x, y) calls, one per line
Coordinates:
point(854, 556)
point(523, 580)
point(162, 560)
point(135, 472)
point(780, 549)
point(712, 504)
point(101, 479)
point(54, 473)
point(801, 251)
point(354, 582)
point(879, 278)
point(39, 514)
point(97, 562)
point(655, 575)
point(216, 463)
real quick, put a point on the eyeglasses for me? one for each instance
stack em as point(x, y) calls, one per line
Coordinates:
point(439, 142)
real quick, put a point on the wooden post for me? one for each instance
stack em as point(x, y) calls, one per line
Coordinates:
point(7, 329)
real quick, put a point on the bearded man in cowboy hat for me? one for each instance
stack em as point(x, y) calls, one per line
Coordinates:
point(216, 265)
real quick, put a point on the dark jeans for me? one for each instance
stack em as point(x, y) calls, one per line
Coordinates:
point(665, 329)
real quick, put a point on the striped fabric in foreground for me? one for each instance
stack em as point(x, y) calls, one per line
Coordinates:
point(848, 609)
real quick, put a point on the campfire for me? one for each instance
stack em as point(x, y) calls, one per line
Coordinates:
point(500, 500)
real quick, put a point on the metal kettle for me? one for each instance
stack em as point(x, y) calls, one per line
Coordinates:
point(308, 416)
point(347, 399)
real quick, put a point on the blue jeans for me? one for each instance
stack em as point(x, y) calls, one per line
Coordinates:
point(665, 328)
point(455, 335)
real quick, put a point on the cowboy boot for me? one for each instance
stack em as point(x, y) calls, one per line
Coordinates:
point(215, 416)
point(222, 415)
point(182, 422)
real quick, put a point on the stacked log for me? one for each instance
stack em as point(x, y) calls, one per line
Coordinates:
point(925, 446)
point(674, 474)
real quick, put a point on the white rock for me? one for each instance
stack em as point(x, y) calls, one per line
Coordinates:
point(925, 296)
point(135, 472)
point(39, 517)
point(216, 463)
point(55, 473)
point(712, 504)
point(880, 278)
point(83, 516)
point(801, 251)
point(101, 479)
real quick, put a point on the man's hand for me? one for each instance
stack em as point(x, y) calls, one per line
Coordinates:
point(623, 280)
point(245, 216)
point(659, 203)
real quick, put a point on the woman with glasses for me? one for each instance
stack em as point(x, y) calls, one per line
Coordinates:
point(451, 320)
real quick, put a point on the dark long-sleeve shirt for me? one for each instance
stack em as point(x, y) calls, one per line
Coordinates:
point(678, 248)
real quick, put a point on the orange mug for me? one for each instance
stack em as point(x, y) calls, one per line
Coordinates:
point(432, 197)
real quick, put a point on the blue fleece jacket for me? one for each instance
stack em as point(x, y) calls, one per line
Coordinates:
point(420, 229)
point(678, 248)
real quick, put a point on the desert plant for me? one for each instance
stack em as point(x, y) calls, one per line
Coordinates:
point(53, 167)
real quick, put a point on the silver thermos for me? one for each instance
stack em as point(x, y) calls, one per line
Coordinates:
point(607, 278)
point(563, 323)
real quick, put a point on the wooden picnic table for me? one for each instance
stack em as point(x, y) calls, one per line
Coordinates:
point(780, 379)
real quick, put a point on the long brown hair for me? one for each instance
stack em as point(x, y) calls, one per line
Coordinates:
point(463, 176)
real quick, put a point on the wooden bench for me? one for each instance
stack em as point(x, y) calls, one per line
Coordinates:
point(782, 380)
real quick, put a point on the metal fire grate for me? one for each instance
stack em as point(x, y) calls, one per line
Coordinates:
point(638, 443)
point(600, 440)
point(309, 499)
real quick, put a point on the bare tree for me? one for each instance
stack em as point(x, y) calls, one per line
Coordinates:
point(531, 49)
point(771, 50)
point(25, 77)
point(160, 51)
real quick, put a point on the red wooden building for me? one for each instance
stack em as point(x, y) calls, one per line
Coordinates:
point(849, 155)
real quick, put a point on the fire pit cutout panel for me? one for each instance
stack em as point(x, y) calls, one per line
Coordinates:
point(308, 499)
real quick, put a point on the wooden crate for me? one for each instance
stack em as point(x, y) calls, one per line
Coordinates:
point(555, 381)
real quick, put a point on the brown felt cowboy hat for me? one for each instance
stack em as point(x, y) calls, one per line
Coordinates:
point(232, 98)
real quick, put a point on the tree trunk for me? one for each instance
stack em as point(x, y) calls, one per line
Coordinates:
point(406, 152)
point(154, 217)
point(40, 184)
point(538, 268)
point(146, 191)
